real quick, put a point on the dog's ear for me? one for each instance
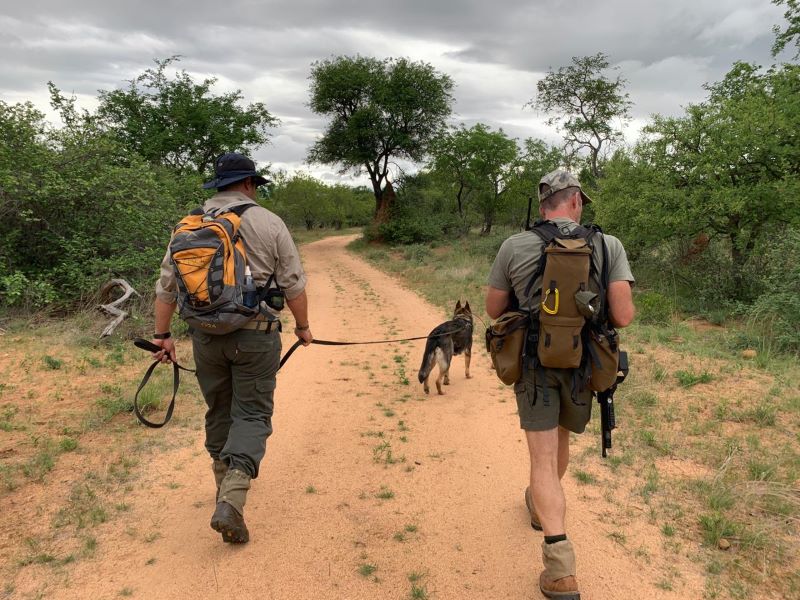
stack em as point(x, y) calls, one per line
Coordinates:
point(467, 306)
point(458, 304)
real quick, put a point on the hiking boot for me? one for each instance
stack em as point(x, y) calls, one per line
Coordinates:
point(558, 578)
point(535, 523)
point(230, 523)
point(220, 469)
point(228, 516)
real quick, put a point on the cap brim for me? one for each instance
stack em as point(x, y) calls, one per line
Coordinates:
point(218, 183)
point(586, 199)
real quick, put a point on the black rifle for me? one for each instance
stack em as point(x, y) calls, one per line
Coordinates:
point(528, 218)
point(605, 399)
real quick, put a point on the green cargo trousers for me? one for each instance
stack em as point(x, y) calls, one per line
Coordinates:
point(236, 373)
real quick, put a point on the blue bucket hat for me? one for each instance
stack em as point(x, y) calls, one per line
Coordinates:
point(232, 167)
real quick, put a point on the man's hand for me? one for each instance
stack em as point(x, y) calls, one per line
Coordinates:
point(304, 335)
point(167, 353)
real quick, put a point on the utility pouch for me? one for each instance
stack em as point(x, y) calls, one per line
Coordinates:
point(273, 295)
point(505, 342)
point(603, 360)
point(566, 274)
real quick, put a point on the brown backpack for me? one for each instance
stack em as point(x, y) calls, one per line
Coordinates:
point(566, 272)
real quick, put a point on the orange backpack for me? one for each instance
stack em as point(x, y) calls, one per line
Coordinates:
point(210, 261)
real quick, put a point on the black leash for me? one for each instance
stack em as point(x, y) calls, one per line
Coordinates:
point(299, 343)
point(176, 381)
point(176, 368)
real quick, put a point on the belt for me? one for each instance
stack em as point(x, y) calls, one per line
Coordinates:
point(264, 325)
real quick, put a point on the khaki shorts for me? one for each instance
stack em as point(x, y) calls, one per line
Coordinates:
point(540, 411)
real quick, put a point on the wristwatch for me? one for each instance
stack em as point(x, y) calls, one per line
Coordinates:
point(162, 336)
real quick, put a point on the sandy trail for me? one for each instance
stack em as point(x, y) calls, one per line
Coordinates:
point(459, 486)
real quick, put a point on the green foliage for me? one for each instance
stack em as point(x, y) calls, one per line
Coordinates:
point(52, 363)
point(715, 527)
point(586, 104)
point(653, 308)
point(304, 201)
point(98, 197)
point(379, 110)
point(410, 230)
point(479, 166)
point(178, 123)
point(776, 312)
point(725, 173)
point(792, 32)
point(17, 290)
point(690, 378)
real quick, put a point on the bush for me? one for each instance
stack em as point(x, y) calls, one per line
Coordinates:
point(777, 310)
point(19, 291)
point(411, 229)
point(653, 308)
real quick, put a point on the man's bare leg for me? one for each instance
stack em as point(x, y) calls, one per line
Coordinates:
point(548, 464)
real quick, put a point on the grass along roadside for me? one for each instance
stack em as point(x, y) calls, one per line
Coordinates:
point(707, 447)
point(71, 451)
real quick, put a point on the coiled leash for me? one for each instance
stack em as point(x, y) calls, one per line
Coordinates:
point(176, 368)
point(176, 382)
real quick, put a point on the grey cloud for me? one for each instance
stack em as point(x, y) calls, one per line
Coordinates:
point(495, 52)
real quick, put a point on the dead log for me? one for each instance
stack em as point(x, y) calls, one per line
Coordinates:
point(113, 307)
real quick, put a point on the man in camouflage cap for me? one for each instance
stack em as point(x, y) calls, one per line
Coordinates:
point(560, 408)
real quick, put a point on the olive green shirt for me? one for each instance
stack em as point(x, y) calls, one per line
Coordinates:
point(518, 259)
point(269, 246)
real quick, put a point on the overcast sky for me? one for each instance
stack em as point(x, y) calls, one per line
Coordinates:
point(494, 51)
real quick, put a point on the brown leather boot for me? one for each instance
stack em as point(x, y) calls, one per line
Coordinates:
point(228, 516)
point(535, 523)
point(558, 578)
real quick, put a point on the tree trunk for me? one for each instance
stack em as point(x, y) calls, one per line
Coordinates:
point(488, 221)
point(384, 205)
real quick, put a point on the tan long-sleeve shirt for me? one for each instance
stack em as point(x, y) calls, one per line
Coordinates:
point(269, 246)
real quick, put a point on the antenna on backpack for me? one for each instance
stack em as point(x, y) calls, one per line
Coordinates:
point(528, 218)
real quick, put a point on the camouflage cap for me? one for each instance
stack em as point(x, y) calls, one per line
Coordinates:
point(559, 180)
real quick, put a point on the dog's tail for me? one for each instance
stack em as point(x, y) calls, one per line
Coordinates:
point(428, 360)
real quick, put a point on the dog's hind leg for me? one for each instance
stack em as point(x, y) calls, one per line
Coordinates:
point(444, 365)
point(467, 358)
point(425, 385)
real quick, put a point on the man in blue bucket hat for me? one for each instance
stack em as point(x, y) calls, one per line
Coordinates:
point(236, 371)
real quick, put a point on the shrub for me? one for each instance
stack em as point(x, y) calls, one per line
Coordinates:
point(777, 310)
point(654, 308)
point(411, 229)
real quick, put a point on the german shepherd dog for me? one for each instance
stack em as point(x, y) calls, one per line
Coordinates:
point(447, 340)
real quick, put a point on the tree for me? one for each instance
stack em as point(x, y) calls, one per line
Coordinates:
point(584, 103)
point(305, 200)
point(477, 164)
point(380, 110)
point(537, 158)
point(792, 31)
point(179, 123)
point(729, 168)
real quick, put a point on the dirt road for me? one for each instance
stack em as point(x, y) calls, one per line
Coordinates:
point(367, 485)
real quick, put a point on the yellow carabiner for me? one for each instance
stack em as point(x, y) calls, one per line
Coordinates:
point(549, 311)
